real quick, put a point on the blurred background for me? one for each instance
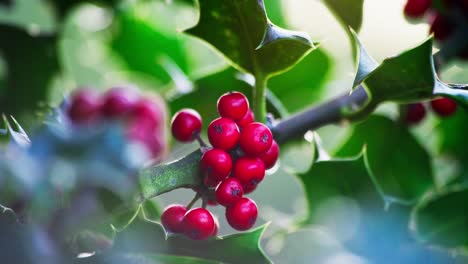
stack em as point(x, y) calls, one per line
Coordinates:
point(52, 53)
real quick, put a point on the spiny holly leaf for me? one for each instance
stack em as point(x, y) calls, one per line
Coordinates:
point(342, 197)
point(401, 166)
point(407, 77)
point(159, 179)
point(243, 33)
point(338, 177)
point(349, 12)
point(366, 64)
point(13, 132)
point(31, 62)
point(442, 219)
point(144, 236)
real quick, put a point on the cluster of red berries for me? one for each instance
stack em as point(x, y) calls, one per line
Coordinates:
point(144, 118)
point(445, 17)
point(242, 151)
point(443, 107)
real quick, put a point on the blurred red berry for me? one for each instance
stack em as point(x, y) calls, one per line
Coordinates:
point(84, 106)
point(417, 8)
point(415, 113)
point(441, 27)
point(444, 106)
point(118, 101)
point(172, 218)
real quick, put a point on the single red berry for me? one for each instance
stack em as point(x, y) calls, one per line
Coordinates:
point(229, 191)
point(146, 109)
point(249, 171)
point(216, 164)
point(199, 224)
point(444, 106)
point(118, 101)
point(255, 139)
point(417, 8)
point(186, 125)
point(415, 113)
point(233, 105)
point(269, 158)
point(210, 182)
point(242, 215)
point(247, 119)
point(442, 27)
point(172, 218)
point(223, 133)
point(84, 106)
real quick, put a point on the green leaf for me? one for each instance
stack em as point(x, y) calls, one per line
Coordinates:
point(148, 237)
point(401, 166)
point(64, 7)
point(145, 48)
point(441, 219)
point(405, 78)
point(243, 33)
point(151, 210)
point(348, 12)
point(366, 64)
point(343, 198)
point(31, 62)
point(13, 132)
point(159, 179)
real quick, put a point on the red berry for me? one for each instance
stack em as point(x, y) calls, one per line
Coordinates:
point(444, 106)
point(223, 133)
point(247, 119)
point(242, 215)
point(415, 113)
point(186, 125)
point(269, 158)
point(249, 188)
point(233, 105)
point(216, 164)
point(198, 224)
point(211, 202)
point(84, 106)
point(249, 171)
point(146, 109)
point(255, 139)
point(442, 27)
point(142, 132)
point(118, 101)
point(229, 191)
point(172, 218)
point(417, 8)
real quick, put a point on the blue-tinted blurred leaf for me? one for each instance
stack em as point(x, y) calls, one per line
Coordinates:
point(401, 166)
point(14, 133)
point(441, 219)
point(243, 33)
point(123, 258)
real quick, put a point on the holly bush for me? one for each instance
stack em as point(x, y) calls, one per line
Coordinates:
point(372, 138)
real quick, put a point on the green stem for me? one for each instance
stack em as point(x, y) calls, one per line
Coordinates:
point(259, 98)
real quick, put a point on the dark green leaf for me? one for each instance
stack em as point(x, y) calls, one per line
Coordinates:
point(182, 173)
point(401, 166)
point(31, 62)
point(149, 237)
point(404, 78)
point(243, 33)
point(349, 12)
point(442, 219)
